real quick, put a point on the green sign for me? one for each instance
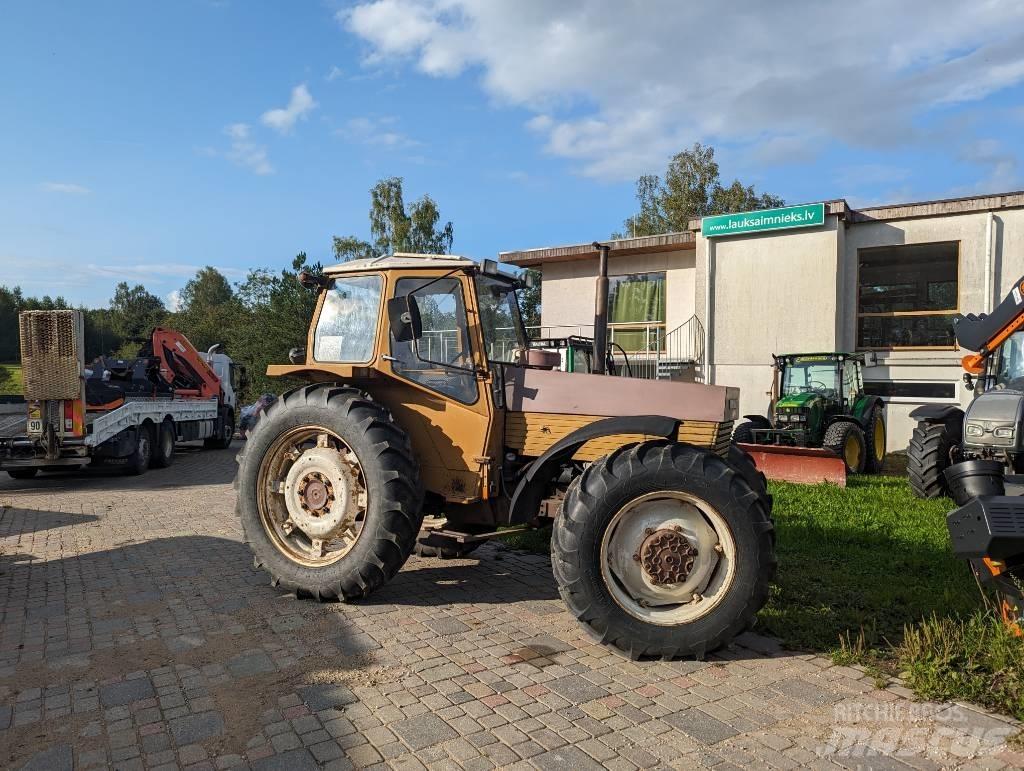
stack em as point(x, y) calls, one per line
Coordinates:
point(806, 216)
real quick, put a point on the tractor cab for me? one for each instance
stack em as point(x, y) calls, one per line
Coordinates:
point(820, 425)
point(810, 387)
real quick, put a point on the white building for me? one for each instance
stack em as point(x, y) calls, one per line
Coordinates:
point(733, 290)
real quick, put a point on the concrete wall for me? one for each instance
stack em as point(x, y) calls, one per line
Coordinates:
point(772, 293)
point(567, 289)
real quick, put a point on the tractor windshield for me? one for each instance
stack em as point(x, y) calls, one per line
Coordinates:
point(804, 376)
point(499, 317)
point(1010, 369)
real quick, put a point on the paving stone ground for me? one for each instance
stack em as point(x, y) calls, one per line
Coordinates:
point(136, 634)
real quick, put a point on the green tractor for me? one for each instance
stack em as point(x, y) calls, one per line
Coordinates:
point(821, 425)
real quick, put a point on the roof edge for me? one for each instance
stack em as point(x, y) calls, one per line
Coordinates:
point(664, 242)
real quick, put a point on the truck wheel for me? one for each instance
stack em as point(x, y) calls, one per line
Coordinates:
point(744, 463)
point(227, 432)
point(846, 439)
point(928, 456)
point(662, 549)
point(163, 450)
point(329, 493)
point(22, 473)
point(138, 461)
point(874, 438)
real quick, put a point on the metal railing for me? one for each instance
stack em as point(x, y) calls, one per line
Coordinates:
point(652, 352)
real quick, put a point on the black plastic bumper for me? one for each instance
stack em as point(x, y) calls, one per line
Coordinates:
point(988, 526)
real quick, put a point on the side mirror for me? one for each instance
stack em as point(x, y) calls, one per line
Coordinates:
point(312, 280)
point(969, 381)
point(404, 319)
point(243, 378)
point(297, 355)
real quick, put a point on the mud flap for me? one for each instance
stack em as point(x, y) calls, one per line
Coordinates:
point(804, 465)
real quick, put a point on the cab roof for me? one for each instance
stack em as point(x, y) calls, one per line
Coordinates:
point(402, 260)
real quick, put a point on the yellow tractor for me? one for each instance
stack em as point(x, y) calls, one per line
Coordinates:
point(430, 424)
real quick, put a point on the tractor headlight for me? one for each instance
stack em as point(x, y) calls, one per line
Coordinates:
point(975, 429)
point(782, 418)
point(799, 418)
point(1003, 432)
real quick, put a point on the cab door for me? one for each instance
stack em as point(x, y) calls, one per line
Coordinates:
point(440, 388)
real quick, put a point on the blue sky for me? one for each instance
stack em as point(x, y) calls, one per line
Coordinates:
point(140, 141)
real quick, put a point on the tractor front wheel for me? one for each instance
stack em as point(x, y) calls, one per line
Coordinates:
point(329, 493)
point(846, 439)
point(929, 455)
point(663, 549)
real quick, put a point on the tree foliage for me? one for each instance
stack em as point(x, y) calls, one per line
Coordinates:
point(690, 188)
point(394, 229)
point(208, 309)
point(133, 314)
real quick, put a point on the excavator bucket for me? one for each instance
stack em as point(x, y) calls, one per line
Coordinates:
point(803, 465)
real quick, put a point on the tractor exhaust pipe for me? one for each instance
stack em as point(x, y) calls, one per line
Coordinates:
point(601, 310)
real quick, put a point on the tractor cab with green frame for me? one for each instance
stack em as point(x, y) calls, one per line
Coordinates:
point(818, 401)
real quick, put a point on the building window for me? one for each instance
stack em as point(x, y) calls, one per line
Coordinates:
point(636, 311)
point(907, 296)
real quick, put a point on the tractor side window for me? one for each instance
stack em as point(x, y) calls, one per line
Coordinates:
point(851, 383)
point(445, 361)
point(1011, 362)
point(348, 320)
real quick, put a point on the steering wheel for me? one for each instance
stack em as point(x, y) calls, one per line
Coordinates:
point(811, 384)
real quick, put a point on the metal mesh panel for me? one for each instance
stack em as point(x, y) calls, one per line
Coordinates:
point(52, 344)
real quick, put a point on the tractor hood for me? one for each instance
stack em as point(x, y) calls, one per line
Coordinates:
point(570, 393)
point(797, 401)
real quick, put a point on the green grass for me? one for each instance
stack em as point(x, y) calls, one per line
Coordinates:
point(866, 575)
point(11, 386)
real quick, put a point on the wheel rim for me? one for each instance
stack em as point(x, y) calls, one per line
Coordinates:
point(312, 496)
point(879, 439)
point(851, 452)
point(668, 558)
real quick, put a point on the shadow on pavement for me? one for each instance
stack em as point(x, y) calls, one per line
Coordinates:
point(35, 521)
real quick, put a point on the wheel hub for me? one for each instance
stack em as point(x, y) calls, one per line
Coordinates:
point(315, 493)
point(322, 493)
point(667, 556)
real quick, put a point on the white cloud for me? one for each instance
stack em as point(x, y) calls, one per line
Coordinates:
point(334, 73)
point(618, 86)
point(173, 300)
point(245, 151)
point(376, 131)
point(68, 188)
point(283, 119)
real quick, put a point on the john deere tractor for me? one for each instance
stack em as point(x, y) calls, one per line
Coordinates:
point(428, 419)
point(819, 413)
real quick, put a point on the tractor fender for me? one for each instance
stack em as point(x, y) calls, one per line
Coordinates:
point(759, 420)
point(936, 413)
point(870, 403)
point(532, 485)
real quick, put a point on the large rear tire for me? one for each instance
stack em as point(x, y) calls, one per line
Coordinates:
point(329, 493)
point(744, 463)
point(874, 439)
point(703, 544)
point(929, 455)
point(846, 439)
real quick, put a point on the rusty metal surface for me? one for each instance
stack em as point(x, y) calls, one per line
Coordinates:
point(666, 555)
point(804, 465)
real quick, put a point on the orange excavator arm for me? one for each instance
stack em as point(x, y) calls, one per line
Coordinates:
point(182, 366)
point(984, 333)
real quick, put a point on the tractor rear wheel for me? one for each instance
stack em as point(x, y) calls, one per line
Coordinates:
point(663, 549)
point(928, 456)
point(874, 438)
point(846, 439)
point(744, 463)
point(329, 493)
